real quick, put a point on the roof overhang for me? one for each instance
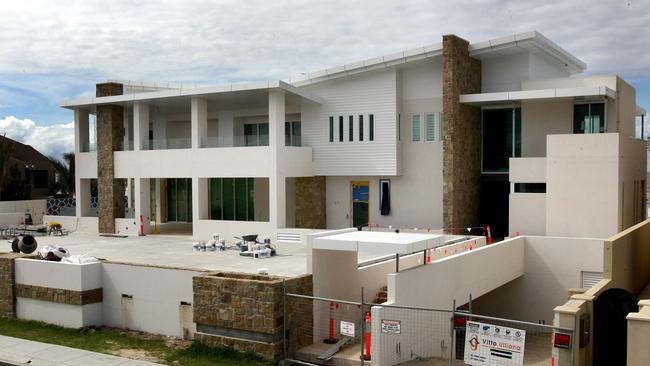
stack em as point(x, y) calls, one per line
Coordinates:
point(592, 92)
point(528, 41)
point(194, 92)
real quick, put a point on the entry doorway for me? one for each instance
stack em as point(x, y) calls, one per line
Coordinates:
point(360, 203)
point(179, 200)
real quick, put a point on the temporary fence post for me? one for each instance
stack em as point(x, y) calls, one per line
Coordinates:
point(363, 329)
point(330, 338)
point(451, 343)
point(284, 318)
point(424, 257)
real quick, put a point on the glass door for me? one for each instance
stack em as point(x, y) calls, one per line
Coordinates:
point(360, 204)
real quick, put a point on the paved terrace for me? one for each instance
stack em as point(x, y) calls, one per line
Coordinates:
point(176, 251)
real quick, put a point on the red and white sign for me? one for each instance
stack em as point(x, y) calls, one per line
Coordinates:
point(391, 326)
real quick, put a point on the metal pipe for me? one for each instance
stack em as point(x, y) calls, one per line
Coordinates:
point(396, 262)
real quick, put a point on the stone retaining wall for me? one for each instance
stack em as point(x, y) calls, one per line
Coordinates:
point(61, 296)
point(8, 284)
point(243, 311)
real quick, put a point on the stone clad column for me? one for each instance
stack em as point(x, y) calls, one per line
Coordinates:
point(462, 135)
point(110, 134)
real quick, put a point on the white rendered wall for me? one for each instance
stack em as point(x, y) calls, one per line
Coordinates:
point(62, 276)
point(455, 277)
point(12, 210)
point(504, 73)
point(539, 119)
point(527, 214)
point(75, 223)
point(155, 306)
point(553, 265)
point(583, 185)
point(370, 93)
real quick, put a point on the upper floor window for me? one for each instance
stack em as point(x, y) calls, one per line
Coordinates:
point(399, 127)
point(371, 127)
point(361, 127)
point(589, 118)
point(350, 128)
point(292, 133)
point(256, 134)
point(331, 129)
point(501, 138)
point(431, 127)
point(340, 128)
point(415, 127)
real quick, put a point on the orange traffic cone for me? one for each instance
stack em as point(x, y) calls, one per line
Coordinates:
point(489, 235)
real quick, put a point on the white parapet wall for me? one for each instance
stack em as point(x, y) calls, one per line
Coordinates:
point(150, 299)
point(12, 212)
point(53, 287)
point(74, 223)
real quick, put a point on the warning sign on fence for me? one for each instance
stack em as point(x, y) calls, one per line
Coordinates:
point(391, 326)
point(347, 329)
point(487, 344)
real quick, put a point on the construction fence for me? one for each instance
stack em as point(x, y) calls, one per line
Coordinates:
point(321, 331)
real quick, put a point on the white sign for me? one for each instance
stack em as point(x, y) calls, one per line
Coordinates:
point(487, 344)
point(391, 326)
point(347, 329)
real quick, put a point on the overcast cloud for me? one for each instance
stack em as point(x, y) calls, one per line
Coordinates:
point(55, 50)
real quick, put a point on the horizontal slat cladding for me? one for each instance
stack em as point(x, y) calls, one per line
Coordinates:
point(371, 93)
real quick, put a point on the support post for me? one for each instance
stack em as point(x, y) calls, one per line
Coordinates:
point(277, 180)
point(143, 205)
point(363, 329)
point(140, 126)
point(199, 122)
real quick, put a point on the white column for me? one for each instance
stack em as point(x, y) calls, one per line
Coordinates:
point(81, 136)
point(199, 202)
point(226, 128)
point(277, 189)
point(140, 126)
point(127, 130)
point(199, 122)
point(82, 195)
point(143, 204)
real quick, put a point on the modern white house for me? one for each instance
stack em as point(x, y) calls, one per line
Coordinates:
point(452, 135)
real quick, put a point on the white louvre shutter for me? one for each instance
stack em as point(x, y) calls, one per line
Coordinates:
point(589, 279)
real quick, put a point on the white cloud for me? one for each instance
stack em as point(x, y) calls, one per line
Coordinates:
point(217, 41)
point(52, 140)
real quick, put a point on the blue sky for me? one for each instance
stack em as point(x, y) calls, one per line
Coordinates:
point(57, 50)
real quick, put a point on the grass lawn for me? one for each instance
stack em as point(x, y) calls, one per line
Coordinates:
point(128, 344)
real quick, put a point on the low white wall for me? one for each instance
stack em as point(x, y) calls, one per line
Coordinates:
point(527, 214)
point(125, 226)
point(455, 277)
point(74, 223)
point(552, 266)
point(70, 316)
point(424, 334)
point(58, 275)
point(75, 277)
point(11, 212)
point(155, 302)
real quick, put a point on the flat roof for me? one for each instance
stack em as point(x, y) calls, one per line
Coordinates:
point(539, 94)
point(379, 241)
point(191, 92)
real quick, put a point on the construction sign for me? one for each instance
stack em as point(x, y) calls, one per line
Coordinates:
point(487, 344)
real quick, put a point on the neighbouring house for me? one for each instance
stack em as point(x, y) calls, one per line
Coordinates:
point(30, 174)
point(452, 135)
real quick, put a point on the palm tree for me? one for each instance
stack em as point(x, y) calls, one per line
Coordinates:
point(6, 149)
point(65, 173)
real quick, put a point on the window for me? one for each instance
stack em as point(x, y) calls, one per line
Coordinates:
point(292, 131)
point(331, 129)
point(589, 118)
point(361, 127)
point(415, 127)
point(501, 138)
point(530, 187)
point(371, 127)
point(256, 134)
point(431, 127)
point(40, 179)
point(384, 197)
point(340, 128)
point(233, 199)
point(351, 128)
